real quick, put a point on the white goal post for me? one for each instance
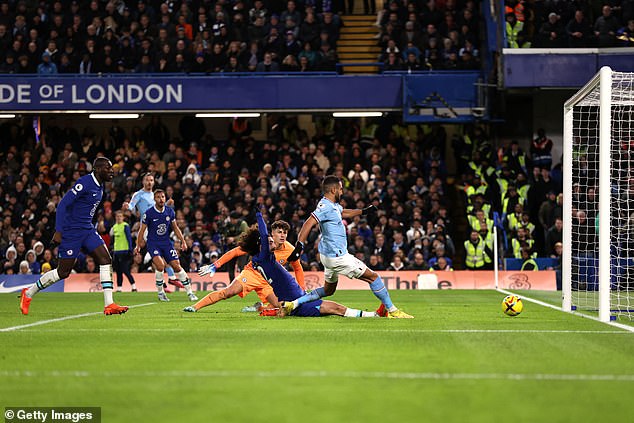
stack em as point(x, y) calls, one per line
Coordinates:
point(598, 212)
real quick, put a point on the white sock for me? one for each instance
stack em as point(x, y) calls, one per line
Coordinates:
point(119, 289)
point(107, 296)
point(159, 281)
point(182, 276)
point(369, 314)
point(47, 279)
point(392, 309)
point(133, 286)
point(105, 276)
point(352, 312)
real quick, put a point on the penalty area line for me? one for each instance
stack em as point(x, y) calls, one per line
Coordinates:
point(60, 319)
point(576, 313)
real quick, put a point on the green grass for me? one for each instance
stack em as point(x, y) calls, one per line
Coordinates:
point(459, 360)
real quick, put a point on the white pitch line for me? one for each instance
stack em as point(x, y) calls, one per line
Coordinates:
point(60, 319)
point(250, 374)
point(576, 313)
point(334, 330)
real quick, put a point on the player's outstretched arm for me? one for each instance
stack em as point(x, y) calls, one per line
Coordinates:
point(348, 213)
point(264, 234)
point(301, 238)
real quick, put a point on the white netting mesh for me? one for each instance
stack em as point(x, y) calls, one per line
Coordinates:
point(585, 199)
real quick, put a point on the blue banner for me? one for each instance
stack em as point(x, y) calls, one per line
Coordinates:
point(173, 93)
point(15, 283)
point(563, 68)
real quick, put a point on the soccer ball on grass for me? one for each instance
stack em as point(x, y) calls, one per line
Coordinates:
point(512, 305)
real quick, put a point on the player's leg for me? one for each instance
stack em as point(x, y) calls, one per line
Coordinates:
point(116, 266)
point(333, 308)
point(380, 291)
point(235, 288)
point(171, 276)
point(332, 266)
point(47, 279)
point(97, 249)
point(268, 299)
point(126, 270)
point(182, 275)
point(159, 266)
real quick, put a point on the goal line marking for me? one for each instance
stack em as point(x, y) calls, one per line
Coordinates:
point(576, 313)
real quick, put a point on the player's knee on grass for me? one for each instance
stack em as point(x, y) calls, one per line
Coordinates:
point(332, 308)
point(272, 300)
point(235, 288)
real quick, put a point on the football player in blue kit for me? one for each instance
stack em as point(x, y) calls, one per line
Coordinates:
point(159, 221)
point(142, 200)
point(75, 230)
point(257, 243)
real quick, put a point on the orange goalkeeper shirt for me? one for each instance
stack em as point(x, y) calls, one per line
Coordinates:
point(281, 255)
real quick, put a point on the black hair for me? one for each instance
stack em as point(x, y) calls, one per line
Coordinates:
point(329, 182)
point(100, 162)
point(249, 241)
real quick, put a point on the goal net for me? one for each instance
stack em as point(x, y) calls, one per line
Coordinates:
point(598, 259)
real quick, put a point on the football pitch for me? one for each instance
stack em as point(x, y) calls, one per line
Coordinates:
point(460, 360)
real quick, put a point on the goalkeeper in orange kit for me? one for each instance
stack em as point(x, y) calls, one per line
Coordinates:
point(250, 279)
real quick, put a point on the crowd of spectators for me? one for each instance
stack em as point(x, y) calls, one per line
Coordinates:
point(92, 37)
point(430, 35)
point(520, 193)
point(565, 23)
point(216, 183)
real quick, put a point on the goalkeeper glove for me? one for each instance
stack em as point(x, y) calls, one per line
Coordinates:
point(209, 269)
point(371, 209)
point(297, 252)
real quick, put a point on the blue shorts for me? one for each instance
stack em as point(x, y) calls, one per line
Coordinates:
point(74, 240)
point(309, 309)
point(165, 250)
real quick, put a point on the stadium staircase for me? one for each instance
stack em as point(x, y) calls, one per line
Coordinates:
point(357, 44)
point(457, 206)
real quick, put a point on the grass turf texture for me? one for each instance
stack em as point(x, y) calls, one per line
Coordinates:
point(461, 359)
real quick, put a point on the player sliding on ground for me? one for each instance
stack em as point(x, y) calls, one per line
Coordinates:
point(158, 220)
point(333, 251)
point(257, 243)
point(249, 279)
point(75, 230)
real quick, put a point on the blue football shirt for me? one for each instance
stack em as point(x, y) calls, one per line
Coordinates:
point(334, 242)
point(78, 206)
point(141, 201)
point(159, 224)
